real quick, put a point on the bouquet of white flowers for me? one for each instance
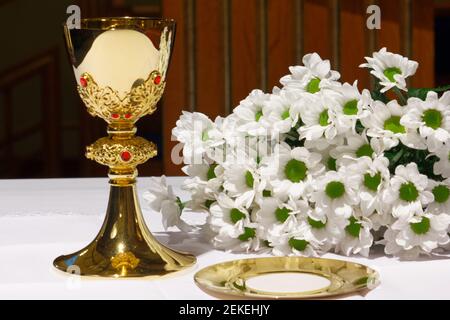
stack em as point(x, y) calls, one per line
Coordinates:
point(319, 165)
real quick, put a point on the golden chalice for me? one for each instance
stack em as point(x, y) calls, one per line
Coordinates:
point(120, 65)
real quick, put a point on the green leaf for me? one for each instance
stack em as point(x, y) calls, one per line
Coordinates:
point(421, 93)
point(402, 155)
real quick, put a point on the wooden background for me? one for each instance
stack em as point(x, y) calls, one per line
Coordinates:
point(226, 48)
point(223, 50)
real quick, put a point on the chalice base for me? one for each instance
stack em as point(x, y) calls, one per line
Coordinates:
point(124, 246)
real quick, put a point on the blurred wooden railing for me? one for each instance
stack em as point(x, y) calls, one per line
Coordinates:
point(43, 68)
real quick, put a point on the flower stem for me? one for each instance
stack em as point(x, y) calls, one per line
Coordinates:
point(401, 97)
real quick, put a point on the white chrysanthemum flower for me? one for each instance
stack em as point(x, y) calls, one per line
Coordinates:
point(198, 133)
point(326, 230)
point(275, 216)
point(230, 138)
point(419, 234)
point(390, 68)
point(384, 123)
point(336, 193)
point(160, 197)
point(441, 193)
point(204, 182)
point(357, 237)
point(349, 106)
point(431, 117)
point(250, 113)
point(271, 212)
point(357, 146)
point(322, 144)
point(280, 112)
point(315, 75)
point(319, 121)
point(442, 166)
point(407, 189)
point(328, 161)
point(295, 239)
point(292, 170)
point(242, 181)
point(375, 177)
point(232, 225)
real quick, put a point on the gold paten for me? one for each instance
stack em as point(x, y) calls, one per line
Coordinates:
point(229, 278)
point(124, 247)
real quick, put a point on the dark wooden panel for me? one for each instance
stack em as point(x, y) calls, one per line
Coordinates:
point(352, 42)
point(175, 96)
point(317, 28)
point(244, 51)
point(44, 66)
point(389, 35)
point(281, 39)
point(423, 43)
point(210, 57)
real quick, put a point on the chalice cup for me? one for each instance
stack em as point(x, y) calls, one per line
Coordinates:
point(120, 66)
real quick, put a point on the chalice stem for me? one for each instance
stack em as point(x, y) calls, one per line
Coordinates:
point(124, 247)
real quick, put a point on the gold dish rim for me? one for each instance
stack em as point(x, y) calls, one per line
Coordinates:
point(320, 293)
point(107, 23)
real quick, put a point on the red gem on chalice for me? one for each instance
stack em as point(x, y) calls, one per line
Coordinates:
point(157, 80)
point(128, 115)
point(115, 116)
point(126, 156)
point(83, 82)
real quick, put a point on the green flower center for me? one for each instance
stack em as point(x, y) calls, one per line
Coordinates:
point(393, 124)
point(364, 151)
point(282, 214)
point(211, 174)
point(316, 224)
point(285, 114)
point(350, 107)
point(354, 227)
point(249, 180)
point(324, 118)
point(248, 234)
point(335, 189)
point(236, 215)
point(331, 163)
point(372, 182)
point(432, 118)
point(295, 170)
point(298, 244)
point(441, 193)
point(421, 227)
point(408, 192)
point(391, 72)
point(313, 85)
point(205, 135)
point(258, 115)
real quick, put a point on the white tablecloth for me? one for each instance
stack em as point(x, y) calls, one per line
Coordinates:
point(41, 219)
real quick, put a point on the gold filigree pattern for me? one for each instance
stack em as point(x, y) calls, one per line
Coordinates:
point(124, 260)
point(107, 104)
point(126, 153)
